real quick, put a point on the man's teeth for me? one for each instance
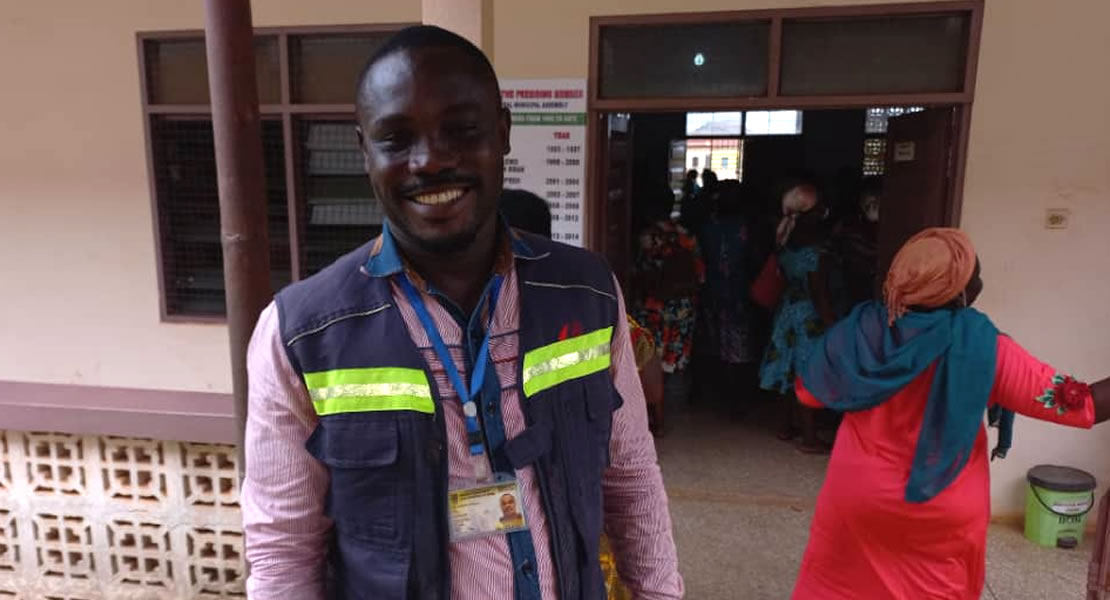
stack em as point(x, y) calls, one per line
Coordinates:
point(439, 197)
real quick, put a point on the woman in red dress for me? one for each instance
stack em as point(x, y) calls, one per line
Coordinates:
point(904, 509)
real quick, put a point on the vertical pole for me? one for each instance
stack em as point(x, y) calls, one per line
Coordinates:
point(1098, 570)
point(774, 58)
point(229, 39)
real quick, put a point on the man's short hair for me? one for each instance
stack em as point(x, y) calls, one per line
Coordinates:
point(526, 212)
point(428, 36)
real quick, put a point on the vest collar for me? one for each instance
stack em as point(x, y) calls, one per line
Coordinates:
point(385, 258)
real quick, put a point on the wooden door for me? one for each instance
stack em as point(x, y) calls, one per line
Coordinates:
point(917, 187)
point(613, 234)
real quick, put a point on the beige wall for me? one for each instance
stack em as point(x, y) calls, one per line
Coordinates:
point(1040, 138)
point(77, 267)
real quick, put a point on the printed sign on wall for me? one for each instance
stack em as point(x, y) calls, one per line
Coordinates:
point(548, 155)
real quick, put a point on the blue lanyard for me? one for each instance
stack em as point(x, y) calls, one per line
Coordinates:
point(478, 373)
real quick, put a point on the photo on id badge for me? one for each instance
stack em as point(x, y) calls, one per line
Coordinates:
point(486, 510)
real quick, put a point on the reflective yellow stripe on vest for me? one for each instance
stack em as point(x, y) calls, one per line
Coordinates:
point(550, 365)
point(369, 390)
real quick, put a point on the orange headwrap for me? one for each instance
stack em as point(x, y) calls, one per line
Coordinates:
point(930, 270)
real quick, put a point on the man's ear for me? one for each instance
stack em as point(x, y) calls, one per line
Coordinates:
point(362, 147)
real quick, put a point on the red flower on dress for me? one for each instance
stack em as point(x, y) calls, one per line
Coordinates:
point(1071, 394)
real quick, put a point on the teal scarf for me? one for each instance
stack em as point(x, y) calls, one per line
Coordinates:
point(863, 362)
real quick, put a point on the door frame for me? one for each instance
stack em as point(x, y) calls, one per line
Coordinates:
point(598, 107)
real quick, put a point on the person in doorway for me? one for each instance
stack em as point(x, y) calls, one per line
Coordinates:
point(526, 211)
point(708, 180)
point(695, 210)
point(446, 358)
point(855, 244)
point(666, 276)
point(904, 509)
point(804, 312)
point(690, 187)
point(727, 343)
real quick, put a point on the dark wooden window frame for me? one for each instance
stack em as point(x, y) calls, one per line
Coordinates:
point(598, 107)
point(285, 111)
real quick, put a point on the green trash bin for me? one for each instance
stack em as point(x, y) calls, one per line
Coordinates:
point(1056, 505)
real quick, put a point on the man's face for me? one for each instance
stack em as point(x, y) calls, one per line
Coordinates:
point(434, 135)
point(508, 505)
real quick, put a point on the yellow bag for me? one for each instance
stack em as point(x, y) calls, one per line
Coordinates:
point(613, 586)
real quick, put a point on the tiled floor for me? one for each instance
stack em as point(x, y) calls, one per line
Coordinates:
point(742, 500)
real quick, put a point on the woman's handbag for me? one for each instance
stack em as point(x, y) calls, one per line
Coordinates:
point(767, 288)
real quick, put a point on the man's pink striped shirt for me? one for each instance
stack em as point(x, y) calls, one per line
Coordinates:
point(285, 487)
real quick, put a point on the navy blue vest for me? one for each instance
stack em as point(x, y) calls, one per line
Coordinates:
point(388, 468)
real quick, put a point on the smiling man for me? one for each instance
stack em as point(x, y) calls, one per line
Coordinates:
point(442, 366)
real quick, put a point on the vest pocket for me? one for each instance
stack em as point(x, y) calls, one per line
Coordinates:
point(361, 456)
point(601, 401)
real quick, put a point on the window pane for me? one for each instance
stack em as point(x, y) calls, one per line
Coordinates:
point(326, 67)
point(713, 123)
point(340, 210)
point(877, 117)
point(277, 204)
point(874, 156)
point(727, 158)
point(267, 68)
point(773, 122)
point(720, 59)
point(177, 71)
point(723, 156)
point(884, 55)
point(189, 213)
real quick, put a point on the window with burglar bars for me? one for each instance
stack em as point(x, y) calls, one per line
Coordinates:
point(874, 142)
point(320, 203)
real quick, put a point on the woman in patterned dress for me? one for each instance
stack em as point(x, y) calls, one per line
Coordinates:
point(727, 346)
point(666, 276)
point(904, 509)
point(804, 313)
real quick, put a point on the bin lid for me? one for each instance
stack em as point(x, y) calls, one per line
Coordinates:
point(1061, 479)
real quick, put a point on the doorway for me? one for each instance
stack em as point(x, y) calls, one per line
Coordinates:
point(910, 150)
point(898, 156)
point(768, 62)
point(838, 94)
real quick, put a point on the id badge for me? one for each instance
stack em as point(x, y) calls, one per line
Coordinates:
point(485, 509)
